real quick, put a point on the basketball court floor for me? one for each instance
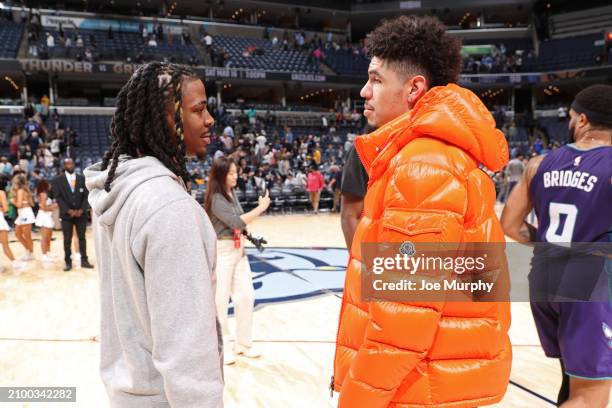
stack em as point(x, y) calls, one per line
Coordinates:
point(49, 326)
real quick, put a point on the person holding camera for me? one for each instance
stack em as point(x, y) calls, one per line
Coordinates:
point(233, 270)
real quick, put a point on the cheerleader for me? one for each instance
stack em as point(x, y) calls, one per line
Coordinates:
point(21, 197)
point(44, 219)
point(4, 230)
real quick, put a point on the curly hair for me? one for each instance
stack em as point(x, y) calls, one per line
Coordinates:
point(418, 44)
point(140, 127)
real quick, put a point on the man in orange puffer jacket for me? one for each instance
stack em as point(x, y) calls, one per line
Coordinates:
point(425, 186)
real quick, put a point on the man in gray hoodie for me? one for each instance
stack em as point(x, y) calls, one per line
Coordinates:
point(155, 248)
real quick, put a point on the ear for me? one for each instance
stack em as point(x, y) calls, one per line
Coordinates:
point(416, 87)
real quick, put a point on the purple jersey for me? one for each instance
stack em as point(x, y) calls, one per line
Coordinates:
point(572, 195)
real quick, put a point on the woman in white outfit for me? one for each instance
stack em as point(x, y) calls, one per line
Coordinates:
point(233, 271)
point(21, 197)
point(4, 230)
point(44, 219)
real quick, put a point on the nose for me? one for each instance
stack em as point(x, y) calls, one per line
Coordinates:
point(209, 121)
point(366, 91)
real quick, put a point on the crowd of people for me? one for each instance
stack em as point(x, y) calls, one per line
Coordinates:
point(500, 60)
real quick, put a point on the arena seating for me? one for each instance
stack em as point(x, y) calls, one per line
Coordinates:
point(10, 35)
point(565, 53)
point(345, 62)
point(557, 130)
point(272, 59)
point(121, 46)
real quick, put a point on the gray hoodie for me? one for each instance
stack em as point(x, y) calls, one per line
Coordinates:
point(155, 248)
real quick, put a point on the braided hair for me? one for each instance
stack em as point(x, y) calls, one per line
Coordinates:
point(141, 129)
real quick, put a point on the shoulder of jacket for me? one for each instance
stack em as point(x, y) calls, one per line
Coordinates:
point(429, 151)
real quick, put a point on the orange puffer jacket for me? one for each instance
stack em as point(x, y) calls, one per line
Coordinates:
point(425, 186)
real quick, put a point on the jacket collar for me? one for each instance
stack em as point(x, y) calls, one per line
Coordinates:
point(449, 113)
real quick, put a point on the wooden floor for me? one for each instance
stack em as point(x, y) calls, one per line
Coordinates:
point(49, 323)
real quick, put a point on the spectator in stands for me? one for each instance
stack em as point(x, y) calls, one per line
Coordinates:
point(45, 101)
point(288, 135)
point(14, 147)
point(33, 141)
point(300, 177)
point(538, 146)
point(159, 31)
point(6, 168)
point(110, 35)
point(56, 146)
point(252, 115)
point(514, 172)
point(229, 131)
point(315, 185)
point(88, 55)
point(208, 41)
point(79, 42)
point(185, 36)
point(227, 143)
point(31, 125)
point(145, 33)
point(212, 102)
point(50, 40)
point(152, 41)
point(32, 44)
point(316, 154)
point(562, 113)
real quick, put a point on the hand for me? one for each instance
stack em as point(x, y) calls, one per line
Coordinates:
point(78, 213)
point(71, 213)
point(264, 202)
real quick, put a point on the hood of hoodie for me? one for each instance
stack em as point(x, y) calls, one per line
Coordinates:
point(449, 113)
point(130, 174)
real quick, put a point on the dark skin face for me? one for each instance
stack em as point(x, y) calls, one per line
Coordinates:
point(197, 122)
point(69, 166)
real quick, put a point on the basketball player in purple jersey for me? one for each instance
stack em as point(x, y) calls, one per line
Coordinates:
point(571, 191)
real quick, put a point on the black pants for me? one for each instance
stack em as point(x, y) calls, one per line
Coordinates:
point(67, 227)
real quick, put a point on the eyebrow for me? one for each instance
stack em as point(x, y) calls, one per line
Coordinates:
point(374, 72)
point(200, 103)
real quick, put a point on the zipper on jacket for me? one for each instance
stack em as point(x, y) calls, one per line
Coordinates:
point(331, 385)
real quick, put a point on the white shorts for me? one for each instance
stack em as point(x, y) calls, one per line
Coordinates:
point(44, 219)
point(25, 216)
point(3, 224)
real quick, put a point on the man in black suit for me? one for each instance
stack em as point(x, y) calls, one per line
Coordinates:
point(70, 192)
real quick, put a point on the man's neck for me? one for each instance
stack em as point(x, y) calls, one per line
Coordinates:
point(594, 138)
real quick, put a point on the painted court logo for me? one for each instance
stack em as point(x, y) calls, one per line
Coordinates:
point(290, 274)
